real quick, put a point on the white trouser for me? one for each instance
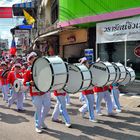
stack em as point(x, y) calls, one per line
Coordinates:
point(60, 107)
point(81, 97)
point(5, 91)
point(42, 105)
point(115, 98)
point(89, 105)
point(67, 97)
point(18, 97)
point(107, 98)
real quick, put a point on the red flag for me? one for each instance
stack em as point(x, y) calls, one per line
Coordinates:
point(13, 49)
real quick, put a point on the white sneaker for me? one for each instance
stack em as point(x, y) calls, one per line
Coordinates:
point(44, 126)
point(94, 121)
point(68, 125)
point(100, 114)
point(38, 130)
point(118, 110)
point(82, 113)
point(68, 104)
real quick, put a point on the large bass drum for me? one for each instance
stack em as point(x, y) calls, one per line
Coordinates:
point(120, 72)
point(79, 78)
point(103, 73)
point(49, 73)
point(130, 76)
point(19, 87)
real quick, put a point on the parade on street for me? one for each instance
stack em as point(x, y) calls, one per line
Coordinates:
point(70, 69)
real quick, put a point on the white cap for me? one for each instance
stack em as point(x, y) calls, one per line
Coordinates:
point(82, 60)
point(17, 65)
point(31, 55)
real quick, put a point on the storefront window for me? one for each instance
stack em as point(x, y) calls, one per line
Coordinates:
point(114, 52)
point(134, 60)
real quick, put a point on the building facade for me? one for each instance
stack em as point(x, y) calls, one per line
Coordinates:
point(76, 23)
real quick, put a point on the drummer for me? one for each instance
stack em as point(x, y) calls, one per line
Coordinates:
point(3, 79)
point(60, 107)
point(12, 76)
point(89, 98)
point(115, 97)
point(102, 92)
point(41, 100)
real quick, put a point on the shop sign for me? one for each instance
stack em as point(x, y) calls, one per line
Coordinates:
point(137, 51)
point(118, 30)
point(22, 33)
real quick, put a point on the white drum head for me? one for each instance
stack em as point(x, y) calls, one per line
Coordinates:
point(17, 85)
point(42, 74)
point(101, 72)
point(49, 73)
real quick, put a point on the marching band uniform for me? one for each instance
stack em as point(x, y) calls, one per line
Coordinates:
point(102, 92)
point(12, 76)
point(60, 107)
point(115, 96)
point(4, 82)
point(67, 98)
point(41, 100)
point(89, 98)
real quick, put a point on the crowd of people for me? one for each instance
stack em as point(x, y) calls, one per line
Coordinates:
point(14, 68)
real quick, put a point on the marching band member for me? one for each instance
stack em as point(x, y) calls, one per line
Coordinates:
point(3, 78)
point(89, 104)
point(67, 98)
point(115, 96)
point(102, 92)
point(41, 100)
point(12, 76)
point(23, 70)
point(89, 99)
point(60, 107)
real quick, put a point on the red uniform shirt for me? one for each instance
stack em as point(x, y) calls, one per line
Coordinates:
point(27, 79)
point(56, 93)
point(86, 92)
point(100, 89)
point(12, 76)
point(3, 79)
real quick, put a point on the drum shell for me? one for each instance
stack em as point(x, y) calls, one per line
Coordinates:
point(49, 73)
point(103, 73)
point(130, 76)
point(120, 72)
point(79, 78)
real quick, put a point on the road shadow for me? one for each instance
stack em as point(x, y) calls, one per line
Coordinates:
point(65, 136)
point(12, 119)
point(129, 119)
point(100, 131)
point(121, 125)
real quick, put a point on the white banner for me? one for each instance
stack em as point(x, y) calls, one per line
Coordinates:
point(118, 30)
point(21, 33)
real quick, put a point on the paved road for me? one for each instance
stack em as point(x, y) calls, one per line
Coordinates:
point(124, 126)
